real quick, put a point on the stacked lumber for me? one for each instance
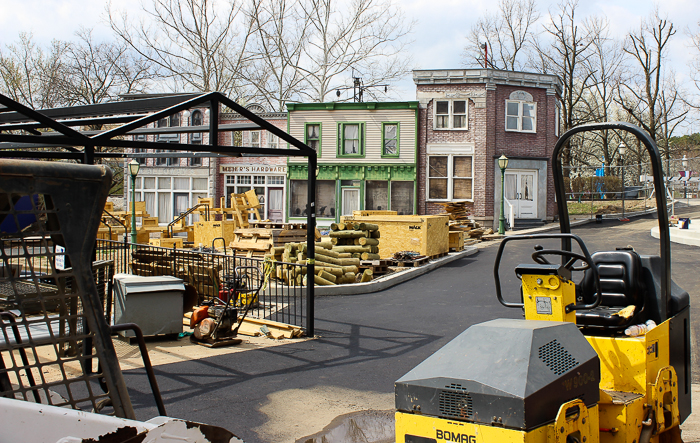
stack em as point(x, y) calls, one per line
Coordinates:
point(256, 327)
point(458, 210)
point(261, 241)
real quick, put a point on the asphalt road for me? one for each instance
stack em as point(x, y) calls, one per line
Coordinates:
point(366, 342)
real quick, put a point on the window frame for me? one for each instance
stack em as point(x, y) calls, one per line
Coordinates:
point(320, 135)
point(451, 114)
point(250, 139)
point(398, 138)
point(520, 116)
point(340, 152)
point(270, 137)
point(450, 177)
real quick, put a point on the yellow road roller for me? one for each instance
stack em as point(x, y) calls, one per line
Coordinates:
point(603, 354)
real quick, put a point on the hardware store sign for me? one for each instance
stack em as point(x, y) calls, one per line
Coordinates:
point(253, 169)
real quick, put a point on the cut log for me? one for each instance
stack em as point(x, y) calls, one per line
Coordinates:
point(374, 234)
point(347, 234)
point(328, 261)
point(349, 225)
point(368, 241)
point(357, 254)
point(358, 248)
point(370, 256)
point(349, 261)
point(324, 251)
point(320, 281)
point(325, 243)
point(350, 269)
point(368, 227)
point(326, 275)
point(344, 255)
point(337, 226)
point(338, 272)
point(366, 275)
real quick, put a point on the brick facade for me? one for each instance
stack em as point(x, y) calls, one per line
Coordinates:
point(485, 137)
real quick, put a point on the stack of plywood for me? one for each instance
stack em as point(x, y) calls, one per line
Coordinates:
point(424, 234)
point(258, 242)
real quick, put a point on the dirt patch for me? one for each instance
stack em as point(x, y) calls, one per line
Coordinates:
point(295, 413)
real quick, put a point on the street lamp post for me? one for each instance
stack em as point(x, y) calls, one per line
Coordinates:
point(621, 149)
point(134, 167)
point(503, 164)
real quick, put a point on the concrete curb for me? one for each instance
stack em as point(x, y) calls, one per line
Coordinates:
point(388, 281)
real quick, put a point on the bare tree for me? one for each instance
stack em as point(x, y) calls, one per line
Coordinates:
point(565, 51)
point(278, 37)
point(193, 43)
point(96, 72)
point(695, 66)
point(367, 35)
point(640, 94)
point(505, 34)
point(30, 75)
point(605, 68)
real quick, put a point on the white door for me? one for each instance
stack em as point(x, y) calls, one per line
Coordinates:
point(521, 192)
point(351, 200)
point(275, 204)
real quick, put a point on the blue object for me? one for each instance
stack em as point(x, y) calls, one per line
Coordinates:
point(22, 216)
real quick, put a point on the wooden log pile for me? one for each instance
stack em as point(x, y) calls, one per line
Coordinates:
point(337, 256)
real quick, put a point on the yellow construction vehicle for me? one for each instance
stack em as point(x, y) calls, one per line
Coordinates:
point(567, 373)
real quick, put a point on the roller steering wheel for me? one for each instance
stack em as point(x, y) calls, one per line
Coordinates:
point(540, 252)
point(539, 257)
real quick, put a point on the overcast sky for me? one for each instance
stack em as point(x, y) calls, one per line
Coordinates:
point(439, 36)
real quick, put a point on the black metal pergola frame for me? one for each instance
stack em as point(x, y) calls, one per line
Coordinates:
point(19, 133)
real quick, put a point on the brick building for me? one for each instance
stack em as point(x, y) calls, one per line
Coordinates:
point(267, 175)
point(470, 117)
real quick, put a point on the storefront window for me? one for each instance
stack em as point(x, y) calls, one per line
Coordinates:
point(402, 197)
point(325, 198)
point(377, 195)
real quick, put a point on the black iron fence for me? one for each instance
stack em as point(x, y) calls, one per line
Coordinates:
point(282, 296)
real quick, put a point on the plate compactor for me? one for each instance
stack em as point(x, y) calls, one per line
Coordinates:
point(568, 373)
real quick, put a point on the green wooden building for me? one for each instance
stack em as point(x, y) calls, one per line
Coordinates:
point(367, 158)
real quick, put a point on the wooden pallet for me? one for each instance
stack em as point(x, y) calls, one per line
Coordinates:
point(412, 263)
point(378, 267)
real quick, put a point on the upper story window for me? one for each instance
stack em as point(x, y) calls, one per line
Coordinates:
point(521, 112)
point(254, 139)
point(390, 139)
point(169, 122)
point(272, 141)
point(312, 136)
point(197, 120)
point(140, 138)
point(450, 114)
point(351, 138)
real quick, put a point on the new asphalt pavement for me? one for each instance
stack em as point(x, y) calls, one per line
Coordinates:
point(366, 342)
